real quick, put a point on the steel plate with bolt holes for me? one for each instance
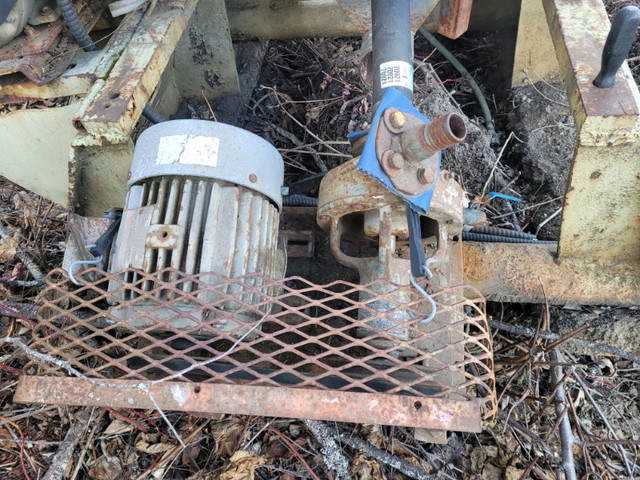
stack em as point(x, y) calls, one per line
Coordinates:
point(313, 353)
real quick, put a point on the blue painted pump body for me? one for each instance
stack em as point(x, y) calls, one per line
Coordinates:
point(369, 163)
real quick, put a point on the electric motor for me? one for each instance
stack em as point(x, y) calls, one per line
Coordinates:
point(201, 197)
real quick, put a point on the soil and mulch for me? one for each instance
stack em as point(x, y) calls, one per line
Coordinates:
point(306, 97)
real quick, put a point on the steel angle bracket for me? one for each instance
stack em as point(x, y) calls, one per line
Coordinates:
point(370, 165)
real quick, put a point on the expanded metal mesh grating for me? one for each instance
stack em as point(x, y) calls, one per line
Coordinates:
point(257, 331)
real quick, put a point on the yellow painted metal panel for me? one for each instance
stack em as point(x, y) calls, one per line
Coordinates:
point(35, 150)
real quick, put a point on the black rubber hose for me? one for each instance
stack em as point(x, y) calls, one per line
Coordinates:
point(75, 26)
point(392, 41)
point(486, 113)
point(299, 201)
point(84, 40)
point(151, 115)
point(480, 237)
point(503, 232)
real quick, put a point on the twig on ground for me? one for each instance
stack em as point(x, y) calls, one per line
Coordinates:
point(15, 425)
point(61, 460)
point(493, 169)
point(293, 450)
point(566, 435)
point(22, 255)
point(331, 453)
point(387, 458)
point(597, 408)
point(597, 347)
point(96, 425)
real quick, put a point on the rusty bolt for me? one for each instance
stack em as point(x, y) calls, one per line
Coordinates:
point(397, 120)
point(253, 178)
point(425, 177)
point(392, 162)
point(396, 161)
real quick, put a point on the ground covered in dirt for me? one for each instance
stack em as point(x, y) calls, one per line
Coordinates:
point(305, 97)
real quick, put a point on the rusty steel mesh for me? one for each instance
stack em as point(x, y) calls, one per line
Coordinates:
point(263, 332)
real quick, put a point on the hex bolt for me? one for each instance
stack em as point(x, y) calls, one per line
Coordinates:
point(392, 162)
point(425, 177)
point(45, 10)
point(10, 18)
point(397, 120)
point(396, 161)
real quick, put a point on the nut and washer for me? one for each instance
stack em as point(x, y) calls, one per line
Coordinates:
point(425, 177)
point(392, 162)
point(394, 120)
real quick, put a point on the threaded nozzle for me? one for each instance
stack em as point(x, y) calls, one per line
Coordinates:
point(444, 132)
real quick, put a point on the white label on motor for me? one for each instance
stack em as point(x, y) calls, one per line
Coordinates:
point(189, 150)
point(396, 74)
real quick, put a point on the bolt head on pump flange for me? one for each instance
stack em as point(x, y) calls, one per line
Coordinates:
point(406, 172)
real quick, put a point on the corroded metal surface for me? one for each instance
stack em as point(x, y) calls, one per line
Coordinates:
point(454, 17)
point(42, 53)
point(39, 40)
point(261, 401)
point(516, 273)
point(76, 80)
point(394, 156)
point(359, 12)
point(303, 360)
point(602, 205)
point(603, 116)
point(407, 148)
point(113, 110)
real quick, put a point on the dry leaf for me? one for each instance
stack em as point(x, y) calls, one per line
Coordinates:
point(105, 468)
point(373, 433)
point(117, 427)
point(4, 433)
point(226, 434)
point(8, 249)
point(143, 445)
point(243, 466)
point(366, 468)
point(29, 206)
point(491, 472)
point(513, 473)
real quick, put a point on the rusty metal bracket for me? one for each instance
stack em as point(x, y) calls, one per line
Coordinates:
point(411, 176)
point(454, 17)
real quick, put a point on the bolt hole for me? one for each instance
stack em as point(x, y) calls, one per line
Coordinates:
point(455, 238)
point(114, 95)
point(457, 126)
point(73, 65)
point(197, 389)
point(164, 234)
point(417, 405)
point(106, 105)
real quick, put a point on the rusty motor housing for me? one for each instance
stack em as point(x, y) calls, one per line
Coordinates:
point(201, 197)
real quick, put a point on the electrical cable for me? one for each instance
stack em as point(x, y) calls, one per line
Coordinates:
point(75, 26)
point(486, 113)
point(481, 237)
point(503, 232)
point(299, 201)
